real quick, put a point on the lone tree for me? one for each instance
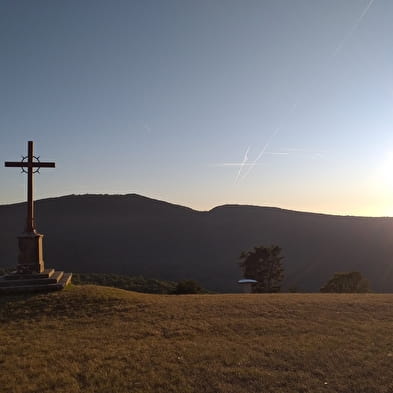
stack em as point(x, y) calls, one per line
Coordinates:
point(347, 282)
point(264, 265)
point(188, 287)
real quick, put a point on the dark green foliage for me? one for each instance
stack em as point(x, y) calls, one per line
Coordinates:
point(346, 282)
point(188, 287)
point(130, 283)
point(5, 270)
point(264, 265)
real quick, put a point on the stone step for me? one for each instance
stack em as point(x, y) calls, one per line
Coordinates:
point(28, 289)
point(54, 279)
point(47, 273)
point(61, 280)
point(65, 280)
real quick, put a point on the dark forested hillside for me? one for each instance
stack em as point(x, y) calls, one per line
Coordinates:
point(131, 234)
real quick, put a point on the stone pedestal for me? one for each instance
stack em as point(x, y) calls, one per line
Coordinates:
point(30, 258)
point(30, 274)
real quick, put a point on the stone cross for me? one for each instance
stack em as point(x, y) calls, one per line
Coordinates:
point(30, 257)
point(30, 164)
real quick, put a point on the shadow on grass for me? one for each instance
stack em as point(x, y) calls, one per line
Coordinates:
point(73, 302)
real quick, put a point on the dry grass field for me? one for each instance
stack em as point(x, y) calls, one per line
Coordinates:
point(95, 339)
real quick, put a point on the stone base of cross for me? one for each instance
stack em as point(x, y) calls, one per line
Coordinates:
point(30, 257)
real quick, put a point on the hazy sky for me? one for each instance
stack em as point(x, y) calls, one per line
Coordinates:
point(285, 103)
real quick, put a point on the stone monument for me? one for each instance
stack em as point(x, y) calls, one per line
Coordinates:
point(30, 274)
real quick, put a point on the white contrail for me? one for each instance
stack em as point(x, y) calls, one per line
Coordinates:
point(247, 164)
point(352, 29)
point(260, 155)
point(245, 159)
point(339, 47)
point(274, 133)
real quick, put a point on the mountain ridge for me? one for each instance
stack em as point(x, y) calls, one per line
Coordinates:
point(137, 235)
point(226, 205)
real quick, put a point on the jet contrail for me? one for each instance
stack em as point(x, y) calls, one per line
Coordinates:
point(260, 155)
point(352, 29)
point(337, 50)
point(245, 159)
point(274, 133)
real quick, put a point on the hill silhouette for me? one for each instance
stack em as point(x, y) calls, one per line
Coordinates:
point(132, 234)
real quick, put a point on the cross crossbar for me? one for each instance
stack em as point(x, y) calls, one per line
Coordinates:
point(18, 164)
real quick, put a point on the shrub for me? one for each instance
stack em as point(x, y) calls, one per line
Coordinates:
point(346, 282)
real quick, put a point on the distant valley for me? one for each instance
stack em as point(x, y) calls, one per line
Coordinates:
point(132, 234)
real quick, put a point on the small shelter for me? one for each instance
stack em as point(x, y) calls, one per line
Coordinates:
point(246, 283)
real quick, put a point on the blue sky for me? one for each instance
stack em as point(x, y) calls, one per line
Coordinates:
point(283, 103)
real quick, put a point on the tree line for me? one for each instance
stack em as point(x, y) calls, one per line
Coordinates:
point(264, 266)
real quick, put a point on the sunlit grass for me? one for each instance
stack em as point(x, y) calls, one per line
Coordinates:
point(96, 339)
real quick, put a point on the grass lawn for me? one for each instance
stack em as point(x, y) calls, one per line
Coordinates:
point(94, 339)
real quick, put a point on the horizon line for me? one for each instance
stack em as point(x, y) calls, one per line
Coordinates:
point(234, 204)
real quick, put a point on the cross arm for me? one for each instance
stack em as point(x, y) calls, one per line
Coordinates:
point(20, 164)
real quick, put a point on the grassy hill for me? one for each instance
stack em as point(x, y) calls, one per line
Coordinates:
point(135, 235)
point(94, 339)
point(136, 284)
